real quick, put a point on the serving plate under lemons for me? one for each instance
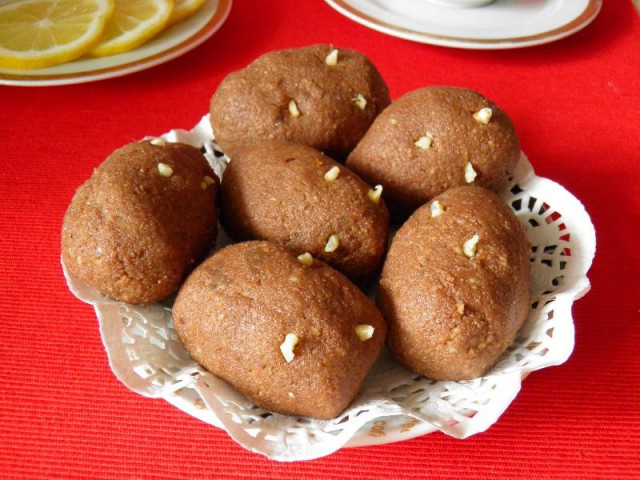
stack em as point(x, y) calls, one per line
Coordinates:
point(172, 43)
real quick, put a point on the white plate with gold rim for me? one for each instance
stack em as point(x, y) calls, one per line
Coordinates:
point(175, 41)
point(500, 25)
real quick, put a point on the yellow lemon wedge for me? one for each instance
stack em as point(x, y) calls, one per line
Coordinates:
point(184, 9)
point(41, 33)
point(133, 23)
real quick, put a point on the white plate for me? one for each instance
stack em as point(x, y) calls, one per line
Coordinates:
point(170, 44)
point(394, 404)
point(502, 24)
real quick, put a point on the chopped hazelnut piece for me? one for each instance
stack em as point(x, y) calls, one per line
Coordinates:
point(461, 308)
point(375, 193)
point(424, 143)
point(306, 259)
point(483, 115)
point(165, 170)
point(332, 174)
point(360, 101)
point(364, 332)
point(290, 341)
point(436, 209)
point(293, 109)
point(332, 58)
point(158, 142)
point(333, 243)
point(206, 181)
point(469, 173)
point(469, 247)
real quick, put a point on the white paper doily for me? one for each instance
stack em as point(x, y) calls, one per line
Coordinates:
point(394, 404)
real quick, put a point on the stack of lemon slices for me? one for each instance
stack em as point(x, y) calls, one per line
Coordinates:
point(41, 33)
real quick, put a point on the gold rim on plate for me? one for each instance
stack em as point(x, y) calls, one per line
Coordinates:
point(585, 18)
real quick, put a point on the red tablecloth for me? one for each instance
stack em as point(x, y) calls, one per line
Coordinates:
point(576, 105)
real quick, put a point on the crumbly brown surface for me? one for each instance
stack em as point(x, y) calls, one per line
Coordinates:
point(142, 220)
point(296, 196)
point(236, 309)
point(301, 96)
point(455, 285)
point(422, 143)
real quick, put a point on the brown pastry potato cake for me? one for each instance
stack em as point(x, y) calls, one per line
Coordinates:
point(433, 139)
point(317, 95)
point(143, 219)
point(291, 334)
point(455, 285)
point(295, 196)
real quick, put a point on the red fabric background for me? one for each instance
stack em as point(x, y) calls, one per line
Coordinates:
point(576, 105)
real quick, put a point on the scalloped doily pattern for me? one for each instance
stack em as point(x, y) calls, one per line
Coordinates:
point(394, 403)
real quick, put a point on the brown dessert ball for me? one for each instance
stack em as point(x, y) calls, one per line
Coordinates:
point(316, 95)
point(433, 139)
point(295, 196)
point(455, 285)
point(143, 219)
point(292, 335)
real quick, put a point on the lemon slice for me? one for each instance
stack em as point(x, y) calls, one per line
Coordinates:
point(133, 23)
point(41, 33)
point(184, 9)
